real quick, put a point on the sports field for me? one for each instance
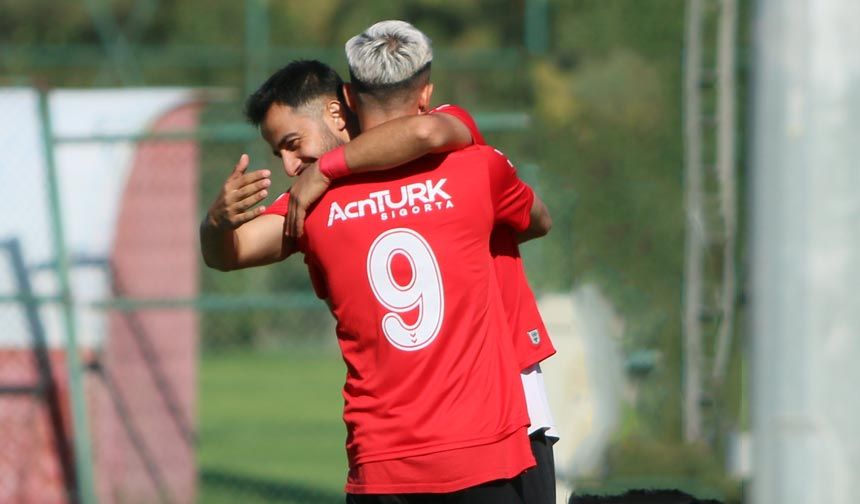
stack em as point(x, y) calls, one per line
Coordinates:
point(270, 427)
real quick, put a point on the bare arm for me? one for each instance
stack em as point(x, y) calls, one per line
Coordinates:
point(404, 139)
point(234, 235)
point(383, 147)
point(540, 222)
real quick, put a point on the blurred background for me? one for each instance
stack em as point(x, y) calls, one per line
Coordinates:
point(131, 373)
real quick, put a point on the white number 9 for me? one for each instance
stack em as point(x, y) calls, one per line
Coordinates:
point(424, 290)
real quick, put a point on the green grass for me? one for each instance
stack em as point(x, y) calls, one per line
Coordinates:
point(271, 428)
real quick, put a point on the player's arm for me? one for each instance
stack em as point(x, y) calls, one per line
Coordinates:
point(515, 204)
point(234, 234)
point(404, 139)
point(383, 147)
point(540, 222)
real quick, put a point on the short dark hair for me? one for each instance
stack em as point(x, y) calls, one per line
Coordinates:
point(295, 85)
point(387, 92)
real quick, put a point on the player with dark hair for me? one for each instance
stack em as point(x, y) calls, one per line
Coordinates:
point(433, 404)
point(294, 124)
point(295, 85)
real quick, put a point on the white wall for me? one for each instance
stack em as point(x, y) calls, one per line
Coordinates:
point(92, 178)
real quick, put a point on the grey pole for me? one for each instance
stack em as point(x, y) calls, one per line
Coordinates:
point(725, 165)
point(805, 237)
point(696, 235)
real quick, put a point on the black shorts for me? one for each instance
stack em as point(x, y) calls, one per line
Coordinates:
point(506, 491)
point(538, 483)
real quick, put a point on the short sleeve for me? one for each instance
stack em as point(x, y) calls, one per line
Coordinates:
point(464, 117)
point(279, 206)
point(512, 198)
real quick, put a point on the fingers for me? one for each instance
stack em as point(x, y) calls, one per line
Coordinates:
point(241, 166)
point(241, 187)
point(253, 199)
point(292, 211)
point(295, 218)
point(250, 186)
point(295, 221)
point(300, 222)
point(308, 188)
point(241, 218)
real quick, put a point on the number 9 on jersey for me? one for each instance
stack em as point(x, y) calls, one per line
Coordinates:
point(423, 291)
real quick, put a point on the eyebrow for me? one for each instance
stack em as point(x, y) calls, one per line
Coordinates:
point(284, 139)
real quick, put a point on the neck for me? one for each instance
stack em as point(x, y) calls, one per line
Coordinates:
point(374, 116)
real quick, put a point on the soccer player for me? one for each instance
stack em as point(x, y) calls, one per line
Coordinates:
point(419, 269)
point(387, 41)
point(306, 137)
point(433, 403)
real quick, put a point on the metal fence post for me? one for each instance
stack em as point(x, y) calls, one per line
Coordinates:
point(256, 43)
point(537, 26)
point(80, 425)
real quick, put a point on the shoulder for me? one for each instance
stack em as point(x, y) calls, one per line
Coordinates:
point(464, 117)
point(474, 154)
point(279, 206)
point(483, 151)
point(449, 108)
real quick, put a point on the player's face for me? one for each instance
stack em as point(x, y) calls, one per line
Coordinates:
point(301, 136)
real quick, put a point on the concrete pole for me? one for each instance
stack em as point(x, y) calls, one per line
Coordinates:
point(694, 245)
point(726, 162)
point(805, 237)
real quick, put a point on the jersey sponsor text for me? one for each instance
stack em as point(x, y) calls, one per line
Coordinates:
point(416, 198)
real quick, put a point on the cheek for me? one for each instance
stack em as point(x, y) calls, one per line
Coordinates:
point(311, 149)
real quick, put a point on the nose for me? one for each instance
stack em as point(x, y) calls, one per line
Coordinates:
point(292, 164)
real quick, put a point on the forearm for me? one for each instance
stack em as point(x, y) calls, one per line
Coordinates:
point(528, 235)
point(404, 139)
point(540, 222)
point(218, 246)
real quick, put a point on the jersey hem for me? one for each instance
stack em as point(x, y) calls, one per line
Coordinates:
point(536, 358)
point(435, 448)
point(436, 487)
point(521, 459)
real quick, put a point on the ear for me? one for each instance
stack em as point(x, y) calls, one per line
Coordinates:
point(351, 98)
point(424, 97)
point(336, 111)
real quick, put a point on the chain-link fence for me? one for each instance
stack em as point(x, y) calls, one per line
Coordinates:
point(188, 384)
point(35, 458)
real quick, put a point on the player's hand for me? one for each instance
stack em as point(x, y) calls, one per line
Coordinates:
point(240, 192)
point(309, 185)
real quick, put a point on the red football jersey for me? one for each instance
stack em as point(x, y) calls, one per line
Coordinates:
point(532, 343)
point(531, 340)
point(403, 256)
point(281, 206)
point(464, 117)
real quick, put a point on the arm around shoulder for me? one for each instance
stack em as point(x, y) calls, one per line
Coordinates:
point(404, 139)
point(441, 132)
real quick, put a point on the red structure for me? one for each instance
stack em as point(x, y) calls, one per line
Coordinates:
point(145, 399)
point(141, 387)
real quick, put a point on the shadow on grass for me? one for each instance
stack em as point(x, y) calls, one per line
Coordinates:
point(267, 490)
